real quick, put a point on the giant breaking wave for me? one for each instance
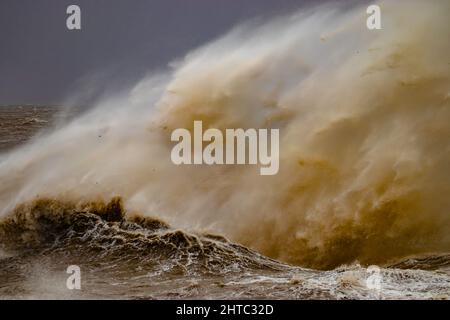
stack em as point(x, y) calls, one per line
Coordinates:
point(364, 139)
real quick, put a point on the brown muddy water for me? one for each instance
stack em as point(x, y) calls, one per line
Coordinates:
point(131, 256)
point(358, 210)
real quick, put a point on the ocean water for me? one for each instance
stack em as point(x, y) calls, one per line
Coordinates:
point(358, 210)
point(136, 257)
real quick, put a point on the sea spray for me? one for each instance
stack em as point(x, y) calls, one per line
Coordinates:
point(363, 121)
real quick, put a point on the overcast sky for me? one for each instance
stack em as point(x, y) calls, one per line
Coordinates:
point(41, 61)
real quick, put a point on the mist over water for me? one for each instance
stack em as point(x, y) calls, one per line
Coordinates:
point(364, 139)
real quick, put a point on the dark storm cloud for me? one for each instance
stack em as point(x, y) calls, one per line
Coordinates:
point(41, 61)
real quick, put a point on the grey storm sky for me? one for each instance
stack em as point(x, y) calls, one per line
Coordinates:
point(41, 62)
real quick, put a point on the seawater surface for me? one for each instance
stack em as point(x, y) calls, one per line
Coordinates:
point(358, 210)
